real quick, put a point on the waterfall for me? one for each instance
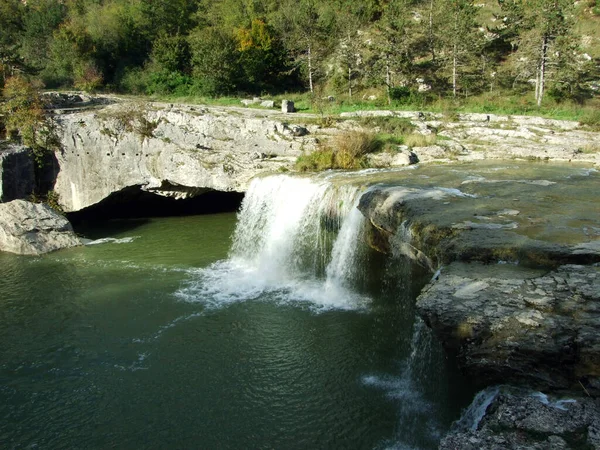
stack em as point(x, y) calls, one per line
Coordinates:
point(297, 239)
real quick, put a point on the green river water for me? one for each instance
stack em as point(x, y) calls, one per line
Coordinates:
point(98, 351)
point(184, 333)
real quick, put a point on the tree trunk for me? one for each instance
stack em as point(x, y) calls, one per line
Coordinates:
point(431, 43)
point(454, 71)
point(310, 72)
point(349, 81)
point(388, 80)
point(542, 71)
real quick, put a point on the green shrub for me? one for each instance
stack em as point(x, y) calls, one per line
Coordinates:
point(346, 151)
point(388, 125)
point(591, 119)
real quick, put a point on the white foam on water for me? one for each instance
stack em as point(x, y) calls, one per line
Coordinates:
point(162, 329)
point(285, 248)
point(125, 240)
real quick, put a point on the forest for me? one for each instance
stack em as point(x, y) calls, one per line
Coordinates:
point(387, 51)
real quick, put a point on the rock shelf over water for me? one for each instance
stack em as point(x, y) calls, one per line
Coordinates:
point(516, 294)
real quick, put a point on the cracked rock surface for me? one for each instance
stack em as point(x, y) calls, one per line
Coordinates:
point(33, 229)
point(504, 418)
point(513, 325)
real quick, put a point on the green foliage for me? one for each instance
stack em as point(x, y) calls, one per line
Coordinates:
point(51, 198)
point(591, 119)
point(214, 61)
point(24, 117)
point(409, 53)
point(346, 151)
point(390, 125)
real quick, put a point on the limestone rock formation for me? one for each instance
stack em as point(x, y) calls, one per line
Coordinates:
point(17, 178)
point(473, 137)
point(33, 229)
point(178, 151)
point(509, 324)
point(516, 295)
point(506, 419)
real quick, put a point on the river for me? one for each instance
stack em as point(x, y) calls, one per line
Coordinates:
point(265, 329)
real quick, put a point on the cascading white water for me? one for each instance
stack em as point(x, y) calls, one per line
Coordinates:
point(298, 239)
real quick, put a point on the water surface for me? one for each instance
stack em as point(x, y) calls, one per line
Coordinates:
point(102, 348)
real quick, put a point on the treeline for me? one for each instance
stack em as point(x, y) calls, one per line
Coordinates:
point(402, 49)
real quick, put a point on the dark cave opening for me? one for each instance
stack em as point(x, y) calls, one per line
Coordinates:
point(135, 203)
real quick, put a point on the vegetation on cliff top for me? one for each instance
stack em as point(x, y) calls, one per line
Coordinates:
point(386, 52)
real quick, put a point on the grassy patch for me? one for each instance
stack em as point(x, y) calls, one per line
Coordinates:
point(497, 102)
point(589, 149)
point(591, 119)
point(346, 151)
point(420, 140)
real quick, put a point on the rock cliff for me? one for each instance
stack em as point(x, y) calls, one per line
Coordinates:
point(515, 294)
point(17, 177)
point(179, 151)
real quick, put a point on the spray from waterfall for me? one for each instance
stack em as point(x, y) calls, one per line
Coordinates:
point(297, 239)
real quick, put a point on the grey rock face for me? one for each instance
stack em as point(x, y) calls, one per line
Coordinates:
point(33, 229)
point(512, 325)
point(17, 179)
point(287, 106)
point(506, 321)
point(520, 420)
point(178, 151)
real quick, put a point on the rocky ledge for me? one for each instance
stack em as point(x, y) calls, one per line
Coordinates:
point(512, 325)
point(33, 229)
point(171, 150)
point(516, 291)
point(505, 419)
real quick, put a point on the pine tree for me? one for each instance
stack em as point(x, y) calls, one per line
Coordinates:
point(541, 28)
point(395, 42)
point(460, 40)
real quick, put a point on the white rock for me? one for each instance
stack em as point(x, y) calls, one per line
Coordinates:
point(33, 229)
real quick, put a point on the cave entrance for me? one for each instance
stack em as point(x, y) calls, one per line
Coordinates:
point(134, 203)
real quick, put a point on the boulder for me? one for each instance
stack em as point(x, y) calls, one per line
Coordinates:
point(33, 229)
point(287, 106)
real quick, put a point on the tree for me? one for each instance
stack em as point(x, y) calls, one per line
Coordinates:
point(261, 56)
point(542, 29)
point(460, 39)
point(214, 60)
point(307, 26)
point(24, 116)
point(11, 25)
point(395, 41)
point(40, 19)
point(349, 47)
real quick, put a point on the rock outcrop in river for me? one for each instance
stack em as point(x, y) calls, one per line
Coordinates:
point(33, 229)
point(506, 419)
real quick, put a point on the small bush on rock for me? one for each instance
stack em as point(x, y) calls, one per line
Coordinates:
point(346, 151)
